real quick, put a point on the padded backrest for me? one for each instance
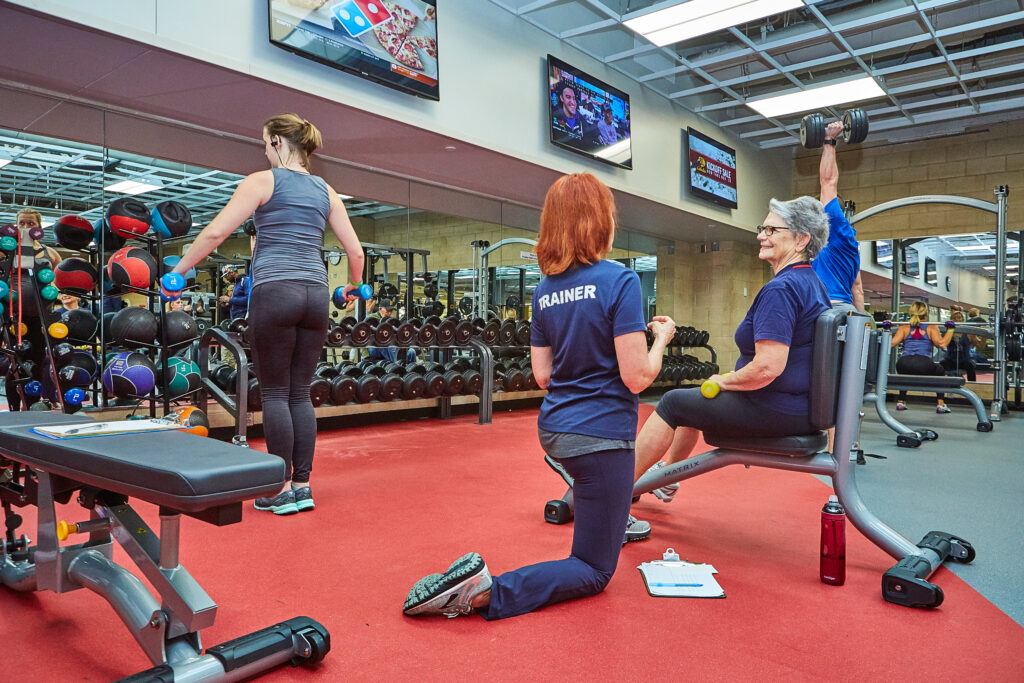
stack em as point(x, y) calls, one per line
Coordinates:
point(826, 363)
point(874, 355)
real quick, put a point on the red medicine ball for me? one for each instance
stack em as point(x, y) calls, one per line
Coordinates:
point(128, 217)
point(132, 267)
point(75, 275)
point(73, 232)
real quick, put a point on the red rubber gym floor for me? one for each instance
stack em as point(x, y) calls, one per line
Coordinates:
point(399, 501)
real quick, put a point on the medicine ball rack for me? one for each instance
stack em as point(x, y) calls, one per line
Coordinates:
point(155, 246)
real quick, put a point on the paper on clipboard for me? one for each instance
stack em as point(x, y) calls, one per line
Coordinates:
point(680, 579)
point(83, 429)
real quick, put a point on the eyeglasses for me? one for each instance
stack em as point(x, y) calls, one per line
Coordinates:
point(769, 230)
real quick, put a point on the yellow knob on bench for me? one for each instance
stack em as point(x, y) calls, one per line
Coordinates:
point(65, 529)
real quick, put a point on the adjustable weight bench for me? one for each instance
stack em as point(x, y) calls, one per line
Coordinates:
point(883, 381)
point(183, 474)
point(840, 360)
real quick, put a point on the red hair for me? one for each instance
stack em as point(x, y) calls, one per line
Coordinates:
point(577, 223)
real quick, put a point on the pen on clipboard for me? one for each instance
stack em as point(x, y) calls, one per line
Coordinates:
point(86, 428)
point(677, 585)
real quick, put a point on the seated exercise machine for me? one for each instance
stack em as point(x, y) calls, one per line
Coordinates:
point(840, 358)
point(183, 474)
point(883, 381)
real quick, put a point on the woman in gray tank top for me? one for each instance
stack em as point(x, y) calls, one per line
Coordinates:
point(288, 306)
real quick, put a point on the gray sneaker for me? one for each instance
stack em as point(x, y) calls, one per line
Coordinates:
point(281, 504)
point(451, 593)
point(666, 493)
point(303, 498)
point(636, 530)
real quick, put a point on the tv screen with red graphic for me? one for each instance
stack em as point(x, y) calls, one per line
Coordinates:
point(712, 171)
point(392, 42)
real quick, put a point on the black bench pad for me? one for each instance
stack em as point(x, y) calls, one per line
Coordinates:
point(925, 382)
point(808, 444)
point(174, 469)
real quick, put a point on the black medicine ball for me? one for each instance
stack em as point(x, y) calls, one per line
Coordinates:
point(73, 232)
point(133, 326)
point(105, 236)
point(75, 275)
point(132, 267)
point(81, 324)
point(128, 217)
point(108, 320)
point(62, 354)
point(171, 219)
point(181, 327)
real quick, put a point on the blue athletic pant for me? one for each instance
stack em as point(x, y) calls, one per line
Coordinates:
point(289, 323)
point(603, 490)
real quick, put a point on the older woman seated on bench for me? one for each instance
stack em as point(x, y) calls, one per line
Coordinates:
point(767, 395)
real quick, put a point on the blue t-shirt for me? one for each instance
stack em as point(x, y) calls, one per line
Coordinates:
point(838, 263)
point(578, 314)
point(785, 311)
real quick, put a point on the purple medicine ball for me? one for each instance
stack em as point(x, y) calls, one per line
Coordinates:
point(129, 374)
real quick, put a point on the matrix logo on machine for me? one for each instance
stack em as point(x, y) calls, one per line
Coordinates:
point(359, 16)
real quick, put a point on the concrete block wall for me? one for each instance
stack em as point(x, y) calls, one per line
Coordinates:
point(970, 165)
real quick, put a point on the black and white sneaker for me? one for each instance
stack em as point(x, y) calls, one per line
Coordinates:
point(451, 593)
point(281, 504)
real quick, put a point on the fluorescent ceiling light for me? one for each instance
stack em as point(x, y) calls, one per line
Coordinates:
point(1008, 267)
point(818, 98)
point(973, 247)
point(343, 197)
point(4, 162)
point(700, 17)
point(132, 187)
point(47, 223)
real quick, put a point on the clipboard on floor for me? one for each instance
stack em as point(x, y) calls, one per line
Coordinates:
point(680, 579)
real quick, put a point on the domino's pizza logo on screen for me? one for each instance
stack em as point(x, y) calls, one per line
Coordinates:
point(359, 16)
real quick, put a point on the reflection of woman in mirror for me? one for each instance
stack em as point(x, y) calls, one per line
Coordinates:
point(918, 343)
point(958, 353)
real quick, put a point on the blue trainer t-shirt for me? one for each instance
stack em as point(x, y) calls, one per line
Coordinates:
point(785, 311)
point(578, 314)
point(838, 263)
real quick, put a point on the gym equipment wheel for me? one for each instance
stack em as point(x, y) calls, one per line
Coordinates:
point(984, 426)
point(908, 440)
point(969, 553)
point(928, 435)
point(557, 512)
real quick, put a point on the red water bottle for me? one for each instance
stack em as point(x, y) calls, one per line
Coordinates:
point(833, 543)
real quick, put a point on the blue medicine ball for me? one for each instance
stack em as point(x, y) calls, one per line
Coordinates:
point(173, 260)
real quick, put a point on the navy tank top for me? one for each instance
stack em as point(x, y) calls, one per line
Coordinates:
point(290, 230)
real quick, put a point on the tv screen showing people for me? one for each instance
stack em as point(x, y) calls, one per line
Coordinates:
point(587, 115)
point(392, 42)
point(883, 253)
point(712, 169)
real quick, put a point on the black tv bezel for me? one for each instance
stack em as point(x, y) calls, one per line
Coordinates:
point(356, 72)
point(704, 194)
point(555, 61)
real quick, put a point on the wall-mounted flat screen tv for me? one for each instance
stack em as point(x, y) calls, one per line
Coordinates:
point(911, 264)
point(931, 272)
point(588, 116)
point(883, 253)
point(392, 42)
point(712, 169)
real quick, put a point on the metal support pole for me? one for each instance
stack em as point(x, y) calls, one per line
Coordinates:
point(999, 379)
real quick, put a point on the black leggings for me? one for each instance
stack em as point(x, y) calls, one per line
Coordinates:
point(736, 413)
point(289, 323)
point(918, 365)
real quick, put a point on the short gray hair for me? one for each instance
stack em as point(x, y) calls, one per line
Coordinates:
point(804, 216)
